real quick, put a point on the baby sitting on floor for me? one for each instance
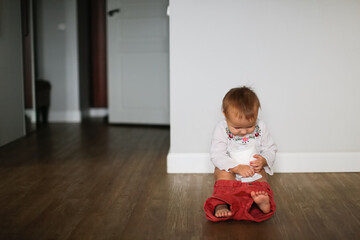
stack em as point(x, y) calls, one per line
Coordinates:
point(243, 153)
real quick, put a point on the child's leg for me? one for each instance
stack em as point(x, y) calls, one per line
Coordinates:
point(261, 198)
point(264, 176)
point(223, 210)
point(223, 175)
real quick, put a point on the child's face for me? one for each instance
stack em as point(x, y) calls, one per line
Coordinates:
point(240, 126)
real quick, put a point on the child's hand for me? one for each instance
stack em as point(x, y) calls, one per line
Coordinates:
point(243, 170)
point(259, 163)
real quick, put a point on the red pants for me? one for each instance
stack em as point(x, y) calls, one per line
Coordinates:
point(237, 195)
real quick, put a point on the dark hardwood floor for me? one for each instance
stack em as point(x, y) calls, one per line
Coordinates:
point(95, 181)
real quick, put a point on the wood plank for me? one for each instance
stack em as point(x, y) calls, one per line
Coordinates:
point(98, 181)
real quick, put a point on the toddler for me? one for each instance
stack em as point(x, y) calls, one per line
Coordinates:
point(242, 151)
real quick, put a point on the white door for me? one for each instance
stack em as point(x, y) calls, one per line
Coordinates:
point(138, 61)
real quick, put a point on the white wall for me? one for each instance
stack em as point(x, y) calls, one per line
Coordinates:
point(302, 58)
point(11, 79)
point(57, 56)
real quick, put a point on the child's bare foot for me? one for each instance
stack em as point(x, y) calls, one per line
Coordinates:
point(222, 210)
point(262, 199)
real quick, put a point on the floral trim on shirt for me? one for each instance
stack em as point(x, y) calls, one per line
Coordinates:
point(244, 139)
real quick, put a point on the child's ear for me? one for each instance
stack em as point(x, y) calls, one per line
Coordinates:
point(224, 114)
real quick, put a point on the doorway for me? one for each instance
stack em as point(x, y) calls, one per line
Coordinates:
point(138, 62)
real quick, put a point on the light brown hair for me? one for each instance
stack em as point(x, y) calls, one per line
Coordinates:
point(243, 100)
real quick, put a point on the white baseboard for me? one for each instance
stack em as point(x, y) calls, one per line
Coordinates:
point(75, 116)
point(285, 162)
point(57, 116)
point(65, 116)
point(98, 112)
point(31, 114)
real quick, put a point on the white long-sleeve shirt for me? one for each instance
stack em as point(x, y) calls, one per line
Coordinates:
point(222, 139)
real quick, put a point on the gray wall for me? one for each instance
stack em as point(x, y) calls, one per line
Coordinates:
point(11, 80)
point(301, 57)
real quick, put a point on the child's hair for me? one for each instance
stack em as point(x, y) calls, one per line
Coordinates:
point(243, 100)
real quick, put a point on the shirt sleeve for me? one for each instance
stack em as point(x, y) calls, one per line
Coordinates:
point(268, 148)
point(218, 150)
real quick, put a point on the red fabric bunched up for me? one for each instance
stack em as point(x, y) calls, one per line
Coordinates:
point(237, 195)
